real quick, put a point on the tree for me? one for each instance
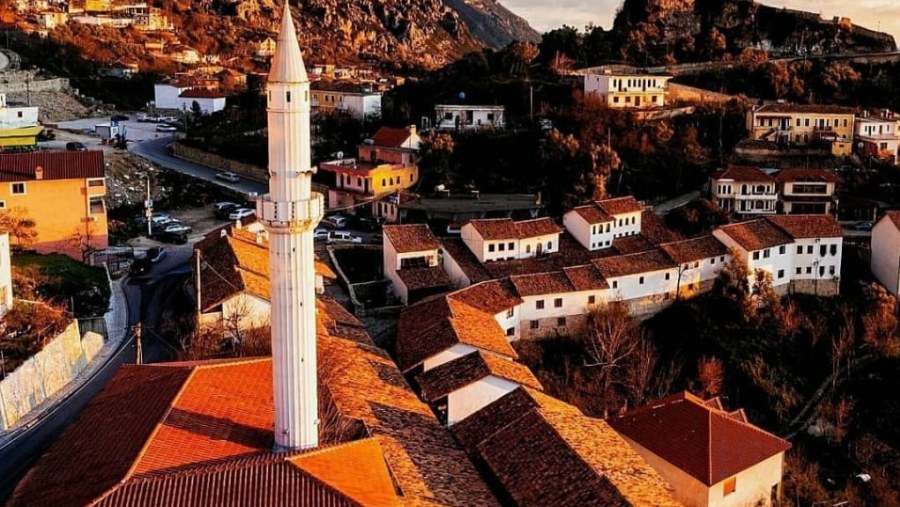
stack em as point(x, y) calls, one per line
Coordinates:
point(710, 376)
point(435, 154)
point(19, 225)
point(83, 240)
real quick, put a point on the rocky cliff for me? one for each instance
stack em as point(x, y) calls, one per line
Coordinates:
point(493, 24)
point(690, 30)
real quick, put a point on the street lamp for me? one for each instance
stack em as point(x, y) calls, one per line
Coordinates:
point(148, 208)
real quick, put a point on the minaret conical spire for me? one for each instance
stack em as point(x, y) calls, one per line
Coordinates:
point(287, 64)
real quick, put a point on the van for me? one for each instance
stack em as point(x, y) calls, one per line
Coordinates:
point(343, 237)
point(335, 221)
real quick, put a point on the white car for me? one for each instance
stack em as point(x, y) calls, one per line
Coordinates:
point(343, 237)
point(335, 221)
point(241, 213)
point(166, 128)
point(320, 233)
point(228, 176)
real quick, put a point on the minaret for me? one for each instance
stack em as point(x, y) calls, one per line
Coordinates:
point(289, 213)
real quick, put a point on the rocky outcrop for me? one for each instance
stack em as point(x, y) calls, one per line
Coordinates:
point(493, 24)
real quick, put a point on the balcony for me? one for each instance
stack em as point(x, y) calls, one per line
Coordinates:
point(768, 196)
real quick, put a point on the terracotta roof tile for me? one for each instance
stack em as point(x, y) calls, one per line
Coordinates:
point(894, 216)
point(57, 165)
point(592, 214)
point(333, 319)
point(201, 93)
point(493, 297)
point(805, 175)
point(623, 265)
point(411, 238)
point(424, 278)
point(391, 137)
point(690, 250)
point(586, 277)
point(555, 282)
point(742, 173)
point(701, 440)
point(757, 234)
point(495, 228)
point(462, 371)
point(537, 227)
point(805, 108)
point(808, 226)
point(582, 461)
point(620, 205)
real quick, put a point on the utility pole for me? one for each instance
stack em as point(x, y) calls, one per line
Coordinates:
point(148, 209)
point(531, 101)
point(199, 301)
point(138, 346)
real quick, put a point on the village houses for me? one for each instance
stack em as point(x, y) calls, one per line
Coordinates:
point(804, 125)
point(750, 191)
point(627, 90)
point(468, 117)
point(877, 136)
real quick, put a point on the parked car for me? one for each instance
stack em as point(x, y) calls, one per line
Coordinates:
point(46, 135)
point(241, 213)
point(166, 119)
point(176, 227)
point(320, 233)
point(223, 209)
point(370, 224)
point(335, 221)
point(228, 176)
point(863, 226)
point(166, 128)
point(343, 237)
point(119, 117)
point(75, 146)
point(178, 238)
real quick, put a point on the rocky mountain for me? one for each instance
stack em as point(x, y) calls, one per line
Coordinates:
point(689, 30)
point(493, 24)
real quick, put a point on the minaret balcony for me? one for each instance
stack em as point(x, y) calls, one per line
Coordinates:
point(290, 216)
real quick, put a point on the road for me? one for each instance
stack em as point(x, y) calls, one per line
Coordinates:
point(156, 151)
point(146, 301)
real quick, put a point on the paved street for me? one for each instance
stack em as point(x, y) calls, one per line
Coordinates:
point(156, 151)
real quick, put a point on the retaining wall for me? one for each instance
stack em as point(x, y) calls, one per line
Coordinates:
point(208, 159)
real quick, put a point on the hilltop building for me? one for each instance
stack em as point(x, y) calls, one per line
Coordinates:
point(625, 90)
point(468, 117)
point(804, 125)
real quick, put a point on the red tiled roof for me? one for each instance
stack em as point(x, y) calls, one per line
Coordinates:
point(536, 284)
point(424, 278)
point(623, 265)
point(620, 205)
point(894, 216)
point(696, 249)
point(201, 93)
point(434, 325)
point(805, 175)
point(537, 227)
point(411, 238)
point(702, 440)
point(391, 137)
point(592, 214)
point(808, 226)
point(542, 451)
point(57, 165)
point(585, 277)
point(468, 263)
point(757, 234)
point(805, 108)
point(742, 173)
point(495, 228)
point(462, 371)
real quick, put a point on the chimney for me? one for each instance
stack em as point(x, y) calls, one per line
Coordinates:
point(38, 173)
point(259, 237)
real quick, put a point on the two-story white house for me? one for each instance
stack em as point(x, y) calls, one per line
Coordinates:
point(411, 262)
point(710, 457)
point(877, 137)
point(557, 303)
point(806, 191)
point(744, 190)
point(466, 117)
point(645, 280)
point(625, 90)
point(597, 224)
point(886, 251)
point(496, 239)
point(15, 117)
point(698, 263)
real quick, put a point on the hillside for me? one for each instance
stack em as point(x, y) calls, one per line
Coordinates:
point(493, 24)
point(694, 30)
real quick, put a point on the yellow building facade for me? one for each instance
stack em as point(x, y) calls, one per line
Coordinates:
point(802, 125)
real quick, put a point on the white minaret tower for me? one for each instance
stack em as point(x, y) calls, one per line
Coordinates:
point(289, 213)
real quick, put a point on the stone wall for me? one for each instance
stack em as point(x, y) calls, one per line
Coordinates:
point(23, 81)
point(828, 287)
point(48, 371)
point(208, 159)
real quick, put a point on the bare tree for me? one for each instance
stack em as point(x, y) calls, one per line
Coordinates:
point(83, 240)
point(19, 225)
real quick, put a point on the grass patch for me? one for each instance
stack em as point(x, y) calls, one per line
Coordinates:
point(62, 280)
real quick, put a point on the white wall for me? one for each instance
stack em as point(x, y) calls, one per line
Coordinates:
point(248, 311)
point(886, 254)
point(455, 271)
point(654, 283)
point(458, 350)
point(473, 240)
point(701, 271)
point(207, 105)
point(819, 266)
point(573, 303)
point(466, 401)
point(6, 294)
point(626, 224)
point(18, 117)
point(591, 236)
point(528, 247)
point(509, 320)
point(361, 103)
point(165, 96)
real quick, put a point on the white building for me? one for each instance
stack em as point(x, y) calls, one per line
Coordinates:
point(452, 117)
point(6, 286)
point(628, 90)
point(504, 239)
point(597, 224)
point(166, 95)
point(14, 117)
point(806, 191)
point(744, 190)
point(886, 251)
point(209, 101)
point(690, 442)
point(412, 262)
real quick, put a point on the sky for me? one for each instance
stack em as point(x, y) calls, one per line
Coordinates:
point(544, 15)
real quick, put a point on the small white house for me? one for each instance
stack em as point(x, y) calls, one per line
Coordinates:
point(597, 224)
point(14, 117)
point(886, 251)
point(166, 95)
point(408, 247)
point(6, 292)
point(209, 101)
point(451, 117)
point(503, 239)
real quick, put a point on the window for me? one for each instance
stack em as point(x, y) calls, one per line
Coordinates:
point(799, 271)
point(615, 284)
point(808, 270)
point(549, 245)
point(780, 273)
point(491, 247)
point(527, 248)
point(510, 245)
point(823, 249)
point(561, 322)
point(2, 204)
point(809, 249)
point(383, 182)
point(712, 261)
point(19, 114)
point(17, 188)
point(799, 249)
point(806, 123)
point(831, 270)
point(667, 276)
point(832, 249)
point(722, 259)
point(533, 324)
point(615, 100)
point(97, 206)
point(511, 312)
point(288, 96)
point(539, 304)
point(756, 256)
point(502, 246)
point(510, 331)
point(766, 253)
point(641, 280)
point(592, 300)
point(557, 303)
point(782, 249)
point(730, 483)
